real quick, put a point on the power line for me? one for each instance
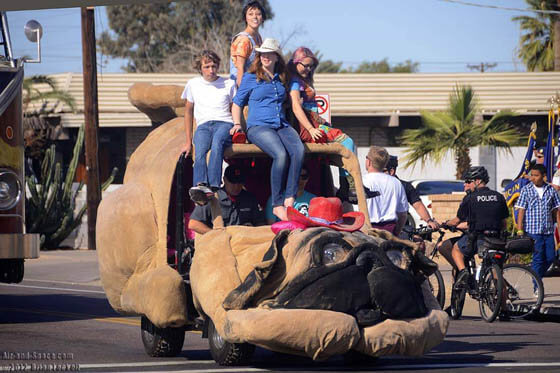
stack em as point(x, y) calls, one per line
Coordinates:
point(502, 7)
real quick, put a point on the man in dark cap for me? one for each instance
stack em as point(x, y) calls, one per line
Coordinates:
point(412, 195)
point(539, 155)
point(239, 207)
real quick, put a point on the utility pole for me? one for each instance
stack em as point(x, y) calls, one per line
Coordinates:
point(483, 66)
point(91, 118)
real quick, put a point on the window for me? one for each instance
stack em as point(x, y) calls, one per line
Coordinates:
point(439, 187)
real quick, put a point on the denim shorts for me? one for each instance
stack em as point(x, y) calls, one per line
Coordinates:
point(467, 251)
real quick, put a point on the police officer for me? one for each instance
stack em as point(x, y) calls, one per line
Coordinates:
point(239, 207)
point(484, 210)
point(412, 195)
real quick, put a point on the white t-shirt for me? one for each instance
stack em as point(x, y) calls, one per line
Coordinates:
point(392, 198)
point(540, 191)
point(212, 100)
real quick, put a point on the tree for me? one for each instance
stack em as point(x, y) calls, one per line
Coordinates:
point(383, 67)
point(41, 99)
point(329, 66)
point(32, 94)
point(165, 37)
point(536, 46)
point(457, 130)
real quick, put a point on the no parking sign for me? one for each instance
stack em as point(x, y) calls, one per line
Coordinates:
point(324, 105)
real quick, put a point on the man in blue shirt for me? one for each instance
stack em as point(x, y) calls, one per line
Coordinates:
point(538, 202)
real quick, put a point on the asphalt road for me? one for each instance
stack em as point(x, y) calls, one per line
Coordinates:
point(58, 318)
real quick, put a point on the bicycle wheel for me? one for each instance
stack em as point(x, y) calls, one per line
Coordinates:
point(524, 289)
point(458, 294)
point(437, 286)
point(490, 287)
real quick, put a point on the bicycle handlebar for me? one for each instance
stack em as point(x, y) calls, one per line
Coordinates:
point(424, 230)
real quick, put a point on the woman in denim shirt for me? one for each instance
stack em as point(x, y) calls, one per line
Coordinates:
point(263, 89)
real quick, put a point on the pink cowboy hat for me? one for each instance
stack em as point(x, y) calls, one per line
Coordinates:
point(327, 212)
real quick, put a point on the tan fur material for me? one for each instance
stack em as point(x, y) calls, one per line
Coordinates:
point(399, 337)
point(159, 102)
point(132, 233)
point(315, 333)
point(387, 236)
point(155, 96)
point(227, 257)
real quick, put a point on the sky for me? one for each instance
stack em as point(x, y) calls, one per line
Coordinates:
point(440, 35)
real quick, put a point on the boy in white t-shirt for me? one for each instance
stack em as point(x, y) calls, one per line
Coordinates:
point(208, 100)
point(388, 209)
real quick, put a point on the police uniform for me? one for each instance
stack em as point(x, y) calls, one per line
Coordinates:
point(412, 195)
point(484, 209)
point(241, 210)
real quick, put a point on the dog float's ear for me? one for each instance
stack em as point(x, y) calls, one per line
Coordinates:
point(240, 297)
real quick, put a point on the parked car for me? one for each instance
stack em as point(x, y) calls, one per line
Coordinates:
point(425, 189)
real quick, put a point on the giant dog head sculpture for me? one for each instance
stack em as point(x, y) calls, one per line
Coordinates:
point(316, 292)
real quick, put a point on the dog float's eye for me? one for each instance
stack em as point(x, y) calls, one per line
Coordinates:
point(333, 253)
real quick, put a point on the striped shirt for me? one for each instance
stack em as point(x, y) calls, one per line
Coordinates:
point(538, 211)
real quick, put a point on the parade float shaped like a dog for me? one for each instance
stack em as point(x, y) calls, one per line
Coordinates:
point(313, 291)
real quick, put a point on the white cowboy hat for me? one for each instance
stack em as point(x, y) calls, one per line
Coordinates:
point(269, 45)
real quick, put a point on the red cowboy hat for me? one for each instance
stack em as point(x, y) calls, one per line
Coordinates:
point(327, 212)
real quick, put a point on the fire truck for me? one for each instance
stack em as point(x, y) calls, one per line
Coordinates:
point(15, 244)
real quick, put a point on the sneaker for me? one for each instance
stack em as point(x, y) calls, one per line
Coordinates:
point(200, 194)
point(504, 316)
point(463, 277)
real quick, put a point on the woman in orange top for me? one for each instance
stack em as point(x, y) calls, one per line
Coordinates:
point(243, 44)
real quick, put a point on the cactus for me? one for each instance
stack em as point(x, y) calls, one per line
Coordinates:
point(50, 206)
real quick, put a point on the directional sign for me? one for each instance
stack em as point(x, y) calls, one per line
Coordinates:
point(324, 104)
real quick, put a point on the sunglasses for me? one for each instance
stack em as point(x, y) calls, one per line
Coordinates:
point(468, 181)
point(309, 67)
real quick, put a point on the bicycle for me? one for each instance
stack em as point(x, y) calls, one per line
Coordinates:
point(524, 289)
point(435, 280)
point(495, 284)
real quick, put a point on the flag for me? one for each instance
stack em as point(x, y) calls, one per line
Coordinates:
point(512, 190)
point(529, 154)
point(549, 153)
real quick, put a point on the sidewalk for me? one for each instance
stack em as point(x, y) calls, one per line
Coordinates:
point(550, 310)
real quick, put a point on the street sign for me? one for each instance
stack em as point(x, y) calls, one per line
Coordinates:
point(324, 104)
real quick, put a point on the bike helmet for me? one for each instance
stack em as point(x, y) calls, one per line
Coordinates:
point(477, 173)
point(392, 163)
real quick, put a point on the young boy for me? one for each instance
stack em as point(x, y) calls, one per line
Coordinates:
point(208, 99)
point(539, 207)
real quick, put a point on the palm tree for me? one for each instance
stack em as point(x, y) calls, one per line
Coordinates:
point(38, 122)
point(536, 46)
point(457, 131)
point(32, 94)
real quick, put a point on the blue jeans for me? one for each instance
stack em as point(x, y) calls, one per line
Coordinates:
point(213, 135)
point(284, 146)
point(543, 253)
